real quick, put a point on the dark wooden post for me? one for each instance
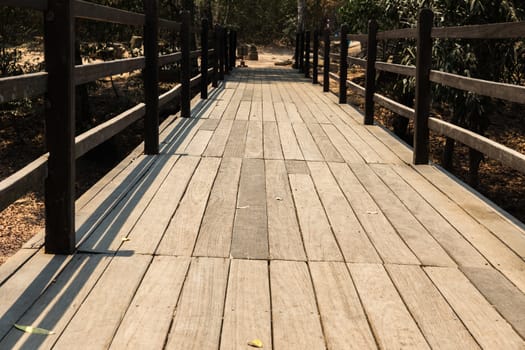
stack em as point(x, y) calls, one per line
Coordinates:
point(219, 51)
point(316, 58)
point(370, 80)
point(215, 78)
point(343, 64)
point(59, 39)
point(185, 72)
point(204, 58)
point(301, 52)
point(151, 77)
point(233, 34)
point(422, 104)
point(296, 53)
point(326, 61)
point(226, 52)
point(307, 54)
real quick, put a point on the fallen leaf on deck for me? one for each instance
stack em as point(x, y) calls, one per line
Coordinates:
point(33, 330)
point(256, 343)
point(246, 206)
point(125, 239)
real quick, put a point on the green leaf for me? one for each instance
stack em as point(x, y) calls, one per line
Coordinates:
point(33, 330)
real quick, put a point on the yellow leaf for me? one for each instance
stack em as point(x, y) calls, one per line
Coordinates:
point(256, 343)
point(125, 239)
point(33, 330)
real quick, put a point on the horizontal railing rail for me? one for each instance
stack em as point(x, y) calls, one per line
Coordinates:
point(58, 81)
point(424, 76)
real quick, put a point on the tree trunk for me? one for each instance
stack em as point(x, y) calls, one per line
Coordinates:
point(301, 8)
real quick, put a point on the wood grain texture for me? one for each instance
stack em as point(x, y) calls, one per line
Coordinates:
point(307, 143)
point(351, 236)
point(295, 318)
point(424, 246)
point(254, 140)
point(217, 224)
point(181, 234)
point(237, 140)
point(97, 319)
point(198, 318)
point(435, 317)
point(463, 253)
point(391, 322)
point(482, 320)
point(319, 241)
point(250, 229)
point(327, 149)
point(348, 153)
point(389, 245)
point(148, 318)
point(283, 229)
point(218, 141)
point(272, 145)
point(344, 320)
point(289, 143)
point(247, 312)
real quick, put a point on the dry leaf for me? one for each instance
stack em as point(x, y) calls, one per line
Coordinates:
point(33, 330)
point(256, 343)
point(125, 239)
point(369, 212)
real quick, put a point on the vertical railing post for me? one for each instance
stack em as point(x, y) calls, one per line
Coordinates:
point(326, 61)
point(343, 64)
point(422, 103)
point(226, 52)
point(151, 77)
point(220, 51)
point(296, 53)
point(215, 77)
point(59, 39)
point(301, 52)
point(233, 34)
point(370, 80)
point(307, 54)
point(204, 58)
point(185, 93)
point(315, 58)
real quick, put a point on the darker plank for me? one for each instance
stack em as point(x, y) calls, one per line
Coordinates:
point(250, 231)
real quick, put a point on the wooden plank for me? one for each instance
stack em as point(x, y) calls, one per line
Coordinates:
point(272, 146)
point(488, 328)
point(387, 242)
point(147, 320)
point(292, 112)
point(22, 86)
point(98, 318)
point(181, 234)
point(295, 317)
point(199, 143)
point(254, 140)
point(284, 237)
point(481, 31)
point(435, 317)
point(289, 144)
point(14, 262)
point(198, 318)
point(217, 224)
point(210, 124)
point(296, 167)
point(256, 112)
point(319, 241)
point(487, 244)
point(91, 11)
point(508, 300)
point(218, 140)
point(107, 236)
point(354, 139)
point(221, 104)
point(396, 68)
point(344, 321)
point(21, 290)
point(450, 239)
point(250, 229)
point(391, 322)
point(243, 113)
point(417, 238)
point(90, 72)
point(395, 106)
point(348, 153)
point(393, 143)
point(185, 137)
point(237, 140)
point(57, 305)
point(330, 154)
point(268, 111)
point(280, 113)
point(307, 143)
point(351, 236)
point(247, 312)
point(478, 208)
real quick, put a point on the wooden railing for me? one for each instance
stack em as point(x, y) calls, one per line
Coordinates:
point(58, 83)
point(422, 71)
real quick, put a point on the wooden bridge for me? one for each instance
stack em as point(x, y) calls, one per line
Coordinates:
point(273, 213)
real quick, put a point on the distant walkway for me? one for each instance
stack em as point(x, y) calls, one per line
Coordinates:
point(274, 214)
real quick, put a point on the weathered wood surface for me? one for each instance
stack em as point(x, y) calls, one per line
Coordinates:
point(274, 214)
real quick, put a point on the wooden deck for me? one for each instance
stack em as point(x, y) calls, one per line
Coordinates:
point(274, 214)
